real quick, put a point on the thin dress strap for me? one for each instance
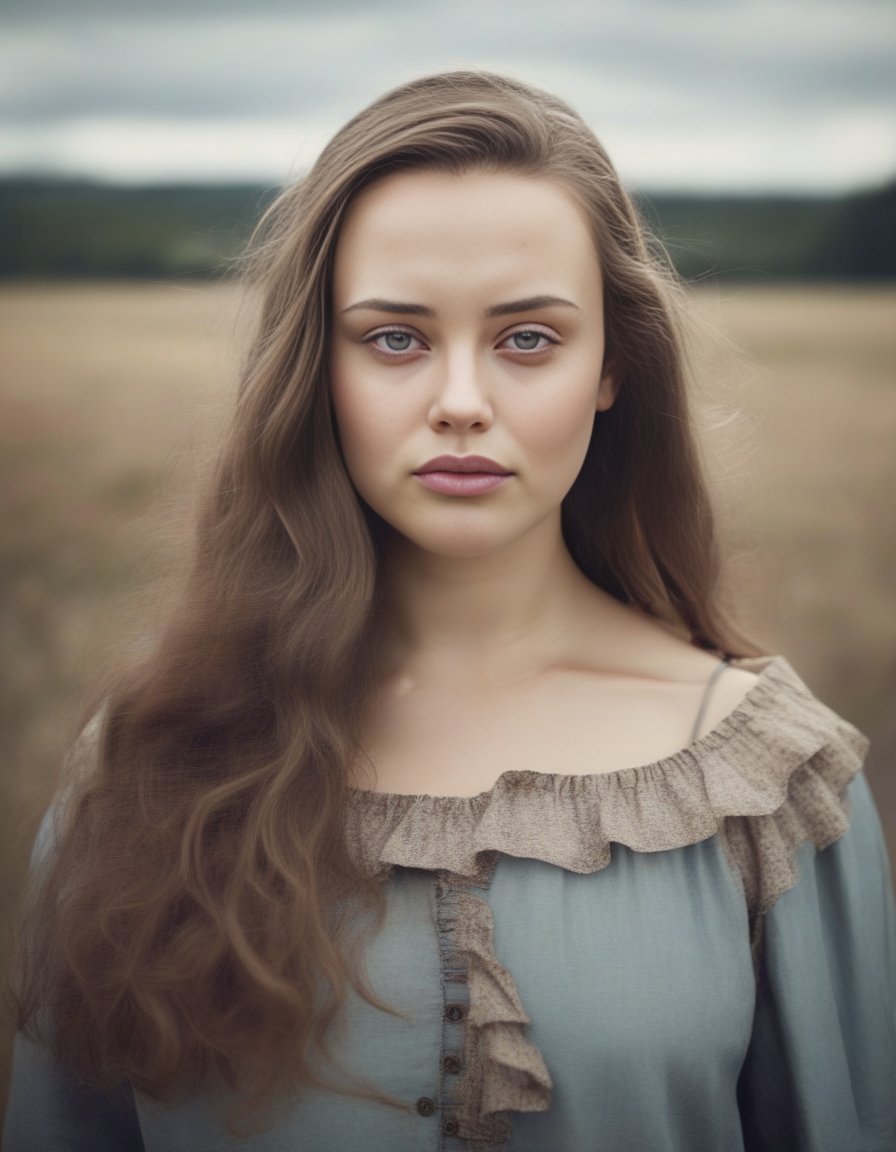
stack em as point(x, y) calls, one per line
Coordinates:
point(704, 703)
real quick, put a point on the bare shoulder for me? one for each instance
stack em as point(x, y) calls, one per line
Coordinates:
point(660, 661)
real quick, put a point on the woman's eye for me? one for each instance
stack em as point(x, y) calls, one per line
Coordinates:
point(528, 341)
point(394, 342)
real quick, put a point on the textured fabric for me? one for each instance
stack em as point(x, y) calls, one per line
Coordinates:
point(695, 955)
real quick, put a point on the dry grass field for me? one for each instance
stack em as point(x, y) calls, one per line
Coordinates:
point(110, 395)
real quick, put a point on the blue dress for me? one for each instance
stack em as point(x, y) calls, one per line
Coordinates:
point(695, 955)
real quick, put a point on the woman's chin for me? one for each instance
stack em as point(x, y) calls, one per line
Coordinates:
point(464, 542)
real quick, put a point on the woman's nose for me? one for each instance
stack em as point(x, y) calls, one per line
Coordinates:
point(461, 398)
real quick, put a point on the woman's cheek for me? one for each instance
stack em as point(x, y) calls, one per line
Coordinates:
point(560, 439)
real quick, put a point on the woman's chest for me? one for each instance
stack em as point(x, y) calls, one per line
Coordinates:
point(645, 963)
point(629, 992)
point(633, 985)
point(460, 743)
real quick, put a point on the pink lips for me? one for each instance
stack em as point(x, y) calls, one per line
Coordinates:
point(462, 475)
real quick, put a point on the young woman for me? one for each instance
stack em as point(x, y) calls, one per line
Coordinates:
point(450, 811)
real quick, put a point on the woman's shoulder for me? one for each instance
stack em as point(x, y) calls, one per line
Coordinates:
point(660, 666)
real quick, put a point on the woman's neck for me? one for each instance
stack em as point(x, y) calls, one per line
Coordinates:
point(486, 621)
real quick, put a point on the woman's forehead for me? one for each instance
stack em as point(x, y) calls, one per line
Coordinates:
point(413, 231)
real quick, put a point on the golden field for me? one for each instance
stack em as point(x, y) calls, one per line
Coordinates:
point(110, 397)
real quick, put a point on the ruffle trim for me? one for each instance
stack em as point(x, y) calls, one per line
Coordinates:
point(503, 1070)
point(771, 776)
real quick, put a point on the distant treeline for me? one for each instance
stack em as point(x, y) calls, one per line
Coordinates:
point(62, 228)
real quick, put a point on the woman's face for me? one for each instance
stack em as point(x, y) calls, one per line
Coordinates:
point(467, 321)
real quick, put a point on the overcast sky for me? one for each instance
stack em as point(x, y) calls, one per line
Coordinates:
point(737, 95)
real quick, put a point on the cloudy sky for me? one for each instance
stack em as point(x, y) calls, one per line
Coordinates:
point(737, 95)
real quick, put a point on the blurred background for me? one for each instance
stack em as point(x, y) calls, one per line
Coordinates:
point(140, 141)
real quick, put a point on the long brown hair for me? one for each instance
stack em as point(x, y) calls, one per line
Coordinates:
point(184, 930)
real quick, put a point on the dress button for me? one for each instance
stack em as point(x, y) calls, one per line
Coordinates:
point(454, 1012)
point(425, 1106)
point(451, 1064)
point(450, 1128)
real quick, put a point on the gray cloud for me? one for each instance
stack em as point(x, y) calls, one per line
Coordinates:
point(32, 11)
point(637, 68)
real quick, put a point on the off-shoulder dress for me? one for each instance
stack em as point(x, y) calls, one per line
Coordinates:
point(694, 955)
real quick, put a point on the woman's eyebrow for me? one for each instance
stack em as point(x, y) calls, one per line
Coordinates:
point(529, 304)
point(395, 306)
point(401, 308)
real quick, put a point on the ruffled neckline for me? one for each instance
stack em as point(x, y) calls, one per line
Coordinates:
point(741, 768)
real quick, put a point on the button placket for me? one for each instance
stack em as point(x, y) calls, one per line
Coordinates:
point(454, 1012)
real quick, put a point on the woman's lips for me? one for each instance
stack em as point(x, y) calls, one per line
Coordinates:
point(462, 475)
point(462, 483)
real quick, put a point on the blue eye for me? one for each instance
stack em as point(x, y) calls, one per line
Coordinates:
point(394, 342)
point(528, 340)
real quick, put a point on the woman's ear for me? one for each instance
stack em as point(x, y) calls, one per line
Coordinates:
point(607, 388)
